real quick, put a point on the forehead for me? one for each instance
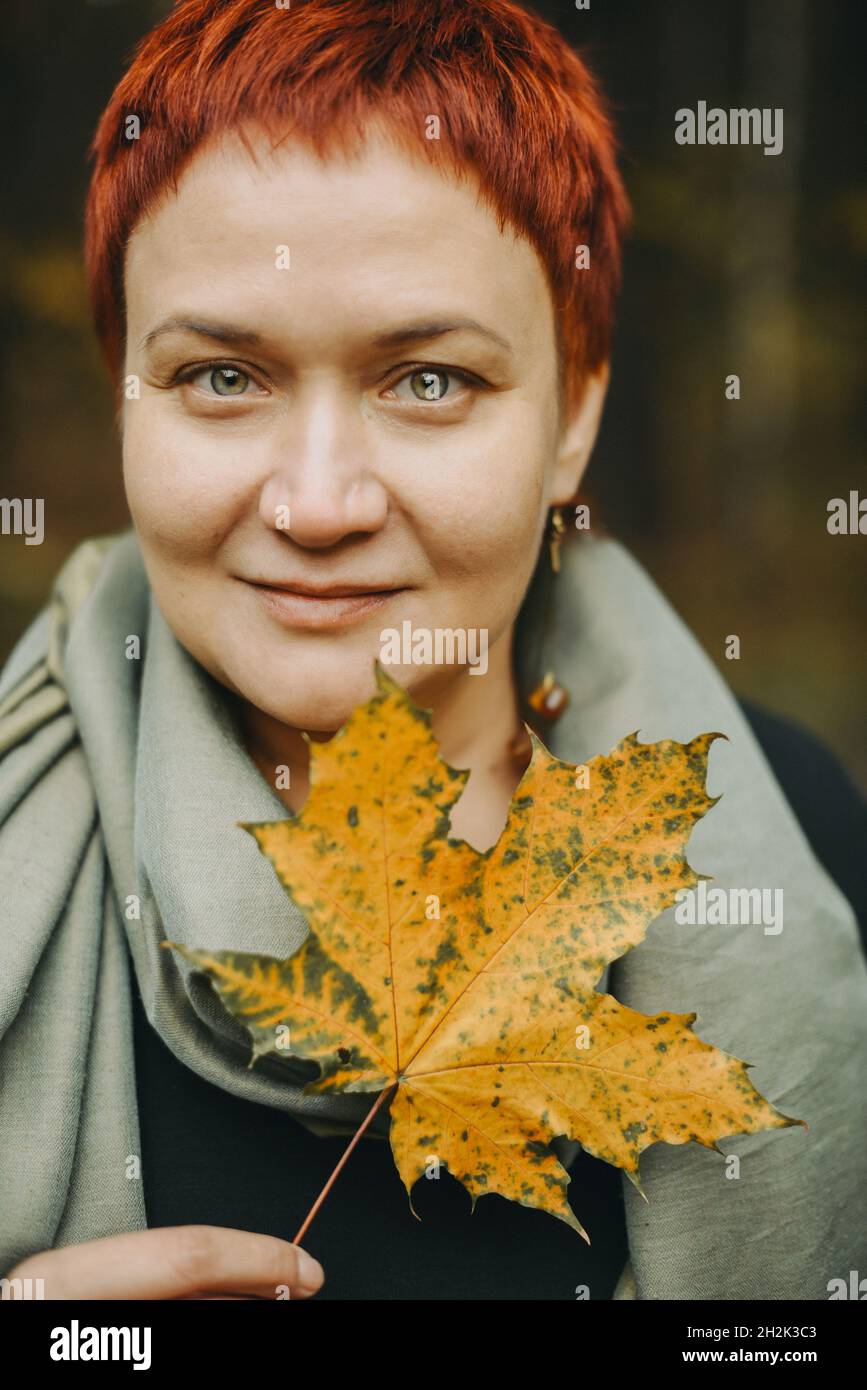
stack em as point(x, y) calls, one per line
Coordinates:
point(367, 235)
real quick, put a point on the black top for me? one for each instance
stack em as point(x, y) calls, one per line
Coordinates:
point(209, 1157)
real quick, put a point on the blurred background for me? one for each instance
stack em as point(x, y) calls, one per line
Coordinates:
point(738, 263)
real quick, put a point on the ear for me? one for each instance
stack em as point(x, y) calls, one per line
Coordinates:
point(578, 437)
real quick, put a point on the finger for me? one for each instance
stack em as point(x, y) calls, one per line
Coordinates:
point(174, 1261)
point(217, 1298)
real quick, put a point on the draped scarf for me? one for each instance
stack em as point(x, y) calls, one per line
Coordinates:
point(123, 775)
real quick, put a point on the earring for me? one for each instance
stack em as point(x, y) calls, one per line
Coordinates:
point(556, 530)
point(549, 698)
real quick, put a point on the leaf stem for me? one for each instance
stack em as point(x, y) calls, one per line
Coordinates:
point(380, 1100)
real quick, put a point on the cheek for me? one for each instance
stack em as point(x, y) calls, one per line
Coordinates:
point(481, 523)
point(181, 502)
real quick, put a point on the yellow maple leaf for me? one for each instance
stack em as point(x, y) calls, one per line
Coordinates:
point(465, 980)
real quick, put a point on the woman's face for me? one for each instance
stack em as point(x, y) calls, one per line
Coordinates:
point(348, 378)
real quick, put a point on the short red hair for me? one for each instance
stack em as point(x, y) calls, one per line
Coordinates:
point(517, 107)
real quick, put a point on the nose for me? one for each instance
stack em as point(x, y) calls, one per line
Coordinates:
point(322, 485)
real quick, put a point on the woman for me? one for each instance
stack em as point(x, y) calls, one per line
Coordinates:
point(354, 282)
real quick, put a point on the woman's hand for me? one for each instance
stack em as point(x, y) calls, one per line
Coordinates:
point(176, 1262)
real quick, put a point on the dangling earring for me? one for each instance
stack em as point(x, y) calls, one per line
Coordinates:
point(556, 529)
point(548, 699)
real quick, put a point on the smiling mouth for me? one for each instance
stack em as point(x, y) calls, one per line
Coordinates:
point(335, 607)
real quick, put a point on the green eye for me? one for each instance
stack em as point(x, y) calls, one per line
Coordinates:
point(429, 385)
point(228, 381)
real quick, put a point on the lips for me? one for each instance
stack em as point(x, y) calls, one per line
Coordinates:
point(309, 607)
point(323, 590)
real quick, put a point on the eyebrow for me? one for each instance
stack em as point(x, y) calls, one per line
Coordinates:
point(418, 332)
point(395, 337)
point(220, 332)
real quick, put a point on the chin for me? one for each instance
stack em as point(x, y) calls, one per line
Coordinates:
point(317, 695)
point(320, 695)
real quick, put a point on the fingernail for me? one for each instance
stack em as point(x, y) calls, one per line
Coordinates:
point(310, 1271)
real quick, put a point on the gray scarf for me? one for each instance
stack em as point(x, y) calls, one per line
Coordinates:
point(121, 784)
